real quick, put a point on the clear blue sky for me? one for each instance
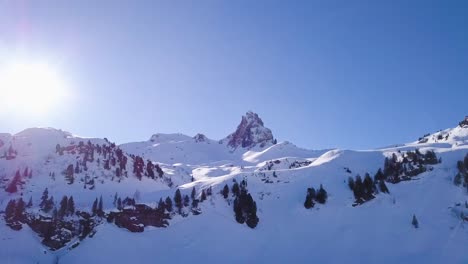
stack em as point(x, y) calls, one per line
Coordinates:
point(349, 74)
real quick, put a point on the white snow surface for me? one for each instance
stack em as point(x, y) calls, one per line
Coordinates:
point(378, 231)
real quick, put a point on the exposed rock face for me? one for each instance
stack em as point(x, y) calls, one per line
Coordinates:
point(250, 133)
point(200, 138)
point(136, 219)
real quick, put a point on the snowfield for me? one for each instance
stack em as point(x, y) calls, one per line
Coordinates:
point(278, 175)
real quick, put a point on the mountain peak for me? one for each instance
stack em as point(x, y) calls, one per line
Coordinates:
point(250, 132)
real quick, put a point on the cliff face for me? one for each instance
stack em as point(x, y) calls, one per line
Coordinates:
point(250, 133)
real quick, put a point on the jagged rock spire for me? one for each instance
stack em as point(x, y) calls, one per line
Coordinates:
point(250, 133)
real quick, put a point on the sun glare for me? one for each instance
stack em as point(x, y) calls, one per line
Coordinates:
point(30, 88)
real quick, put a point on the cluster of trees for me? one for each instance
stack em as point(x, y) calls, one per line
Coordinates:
point(15, 212)
point(12, 187)
point(67, 208)
point(245, 208)
point(11, 153)
point(113, 158)
point(69, 174)
point(313, 196)
point(47, 203)
point(461, 178)
point(149, 170)
point(411, 164)
point(169, 205)
point(365, 190)
point(97, 208)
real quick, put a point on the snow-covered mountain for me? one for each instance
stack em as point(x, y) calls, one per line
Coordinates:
point(363, 220)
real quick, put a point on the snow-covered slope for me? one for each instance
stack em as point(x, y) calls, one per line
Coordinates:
point(277, 175)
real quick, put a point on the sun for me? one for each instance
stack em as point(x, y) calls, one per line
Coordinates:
point(30, 88)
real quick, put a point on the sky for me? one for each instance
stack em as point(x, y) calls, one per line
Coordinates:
point(321, 74)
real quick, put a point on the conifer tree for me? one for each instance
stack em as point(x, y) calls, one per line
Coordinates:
point(321, 195)
point(50, 204)
point(235, 189)
point(309, 202)
point(71, 206)
point(100, 206)
point(379, 175)
point(30, 203)
point(458, 179)
point(168, 204)
point(383, 187)
point(55, 215)
point(178, 200)
point(19, 209)
point(161, 205)
point(69, 174)
point(119, 204)
point(62, 211)
point(95, 207)
point(10, 210)
point(225, 191)
point(194, 203)
point(193, 194)
point(203, 196)
point(186, 200)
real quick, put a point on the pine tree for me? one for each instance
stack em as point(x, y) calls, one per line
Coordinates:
point(10, 210)
point(50, 204)
point(225, 191)
point(115, 200)
point(203, 196)
point(379, 175)
point(100, 207)
point(30, 203)
point(195, 203)
point(309, 202)
point(55, 215)
point(193, 194)
point(465, 161)
point(358, 188)
point(415, 222)
point(321, 195)
point(458, 179)
point(351, 183)
point(186, 200)
point(71, 206)
point(168, 204)
point(69, 174)
point(95, 207)
point(19, 210)
point(235, 189)
point(63, 207)
point(12, 187)
point(383, 187)
point(178, 200)
point(161, 205)
point(368, 186)
point(119, 204)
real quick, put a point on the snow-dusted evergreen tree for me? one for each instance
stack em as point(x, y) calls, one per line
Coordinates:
point(168, 203)
point(178, 200)
point(322, 195)
point(225, 191)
